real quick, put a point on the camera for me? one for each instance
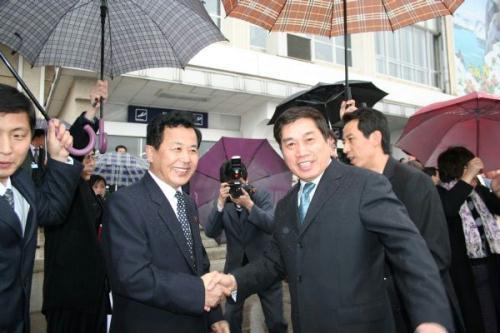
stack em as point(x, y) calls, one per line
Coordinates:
point(232, 172)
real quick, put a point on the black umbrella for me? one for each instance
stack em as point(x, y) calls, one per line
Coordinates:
point(327, 98)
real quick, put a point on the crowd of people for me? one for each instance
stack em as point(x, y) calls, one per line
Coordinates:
point(372, 245)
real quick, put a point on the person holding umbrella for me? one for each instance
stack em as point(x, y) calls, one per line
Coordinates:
point(74, 289)
point(474, 237)
point(23, 206)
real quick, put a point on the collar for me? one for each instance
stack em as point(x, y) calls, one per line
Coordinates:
point(4, 188)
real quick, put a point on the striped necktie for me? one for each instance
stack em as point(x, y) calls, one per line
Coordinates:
point(182, 216)
point(9, 196)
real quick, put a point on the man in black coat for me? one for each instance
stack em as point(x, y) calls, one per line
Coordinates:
point(334, 232)
point(155, 259)
point(23, 206)
point(367, 145)
point(74, 293)
point(248, 222)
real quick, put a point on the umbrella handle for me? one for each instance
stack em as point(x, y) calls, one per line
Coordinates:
point(103, 137)
point(89, 147)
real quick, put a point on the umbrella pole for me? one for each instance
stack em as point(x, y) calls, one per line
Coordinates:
point(25, 87)
point(104, 10)
point(346, 67)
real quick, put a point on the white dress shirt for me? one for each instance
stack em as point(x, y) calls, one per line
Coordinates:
point(21, 206)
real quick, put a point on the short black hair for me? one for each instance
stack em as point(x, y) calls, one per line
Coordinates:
point(369, 121)
point(225, 172)
point(452, 161)
point(38, 132)
point(121, 146)
point(14, 101)
point(173, 119)
point(96, 179)
point(298, 112)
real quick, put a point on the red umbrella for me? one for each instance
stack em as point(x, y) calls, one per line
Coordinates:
point(472, 121)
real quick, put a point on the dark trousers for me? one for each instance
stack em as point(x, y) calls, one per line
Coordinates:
point(272, 305)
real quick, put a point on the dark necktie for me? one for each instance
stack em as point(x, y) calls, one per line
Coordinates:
point(305, 199)
point(9, 196)
point(181, 212)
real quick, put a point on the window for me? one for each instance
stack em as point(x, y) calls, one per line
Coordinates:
point(258, 37)
point(331, 49)
point(299, 47)
point(411, 53)
point(213, 9)
point(319, 48)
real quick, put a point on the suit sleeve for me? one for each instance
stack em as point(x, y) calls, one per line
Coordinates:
point(415, 271)
point(262, 215)
point(426, 211)
point(55, 196)
point(258, 275)
point(215, 224)
point(131, 269)
point(490, 199)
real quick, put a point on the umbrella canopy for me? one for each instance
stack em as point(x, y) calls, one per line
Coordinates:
point(266, 170)
point(337, 17)
point(327, 98)
point(139, 33)
point(472, 121)
point(121, 169)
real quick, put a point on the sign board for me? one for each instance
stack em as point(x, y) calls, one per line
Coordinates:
point(143, 114)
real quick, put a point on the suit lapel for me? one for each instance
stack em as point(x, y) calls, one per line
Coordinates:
point(327, 187)
point(167, 215)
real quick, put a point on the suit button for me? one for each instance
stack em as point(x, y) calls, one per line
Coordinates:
point(299, 278)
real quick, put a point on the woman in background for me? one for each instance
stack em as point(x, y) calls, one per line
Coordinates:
point(474, 237)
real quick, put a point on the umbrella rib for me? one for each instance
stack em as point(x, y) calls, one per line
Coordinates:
point(255, 152)
point(166, 38)
point(387, 15)
point(279, 13)
point(56, 25)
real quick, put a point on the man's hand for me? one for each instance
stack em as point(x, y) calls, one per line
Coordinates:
point(58, 141)
point(472, 169)
point(347, 107)
point(215, 291)
point(430, 328)
point(244, 200)
point(100, 90)
point(221, 326)
point(223, 194)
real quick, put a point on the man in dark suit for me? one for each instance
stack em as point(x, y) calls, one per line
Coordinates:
point(23, 206)
point(152, 246)
point(35, 161)
point(334, 231)
point(367, 145)
point(248, 222)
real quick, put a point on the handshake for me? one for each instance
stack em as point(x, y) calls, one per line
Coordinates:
point(217, 286)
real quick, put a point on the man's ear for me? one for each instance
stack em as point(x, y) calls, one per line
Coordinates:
point(376, 138)
point(149, 153)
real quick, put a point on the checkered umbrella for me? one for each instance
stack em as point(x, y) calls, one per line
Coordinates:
point(337, 17)
point(121, 169)
point(139, 34)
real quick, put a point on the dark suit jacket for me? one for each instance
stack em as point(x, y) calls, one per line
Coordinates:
point(247, 234)
point(420, 197)
point(461, 270)
point(48, 205)
point(334, 261)
point(155, 285)
point(74, 265)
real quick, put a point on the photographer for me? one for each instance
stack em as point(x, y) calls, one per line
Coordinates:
point(246, 216)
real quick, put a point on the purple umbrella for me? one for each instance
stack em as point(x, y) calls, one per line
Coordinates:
point(266, 170)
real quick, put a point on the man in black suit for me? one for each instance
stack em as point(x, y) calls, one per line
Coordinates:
point(248, 222)
point(152, 246)
point(23, 206)
point(367, 145)
point(334, 231)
